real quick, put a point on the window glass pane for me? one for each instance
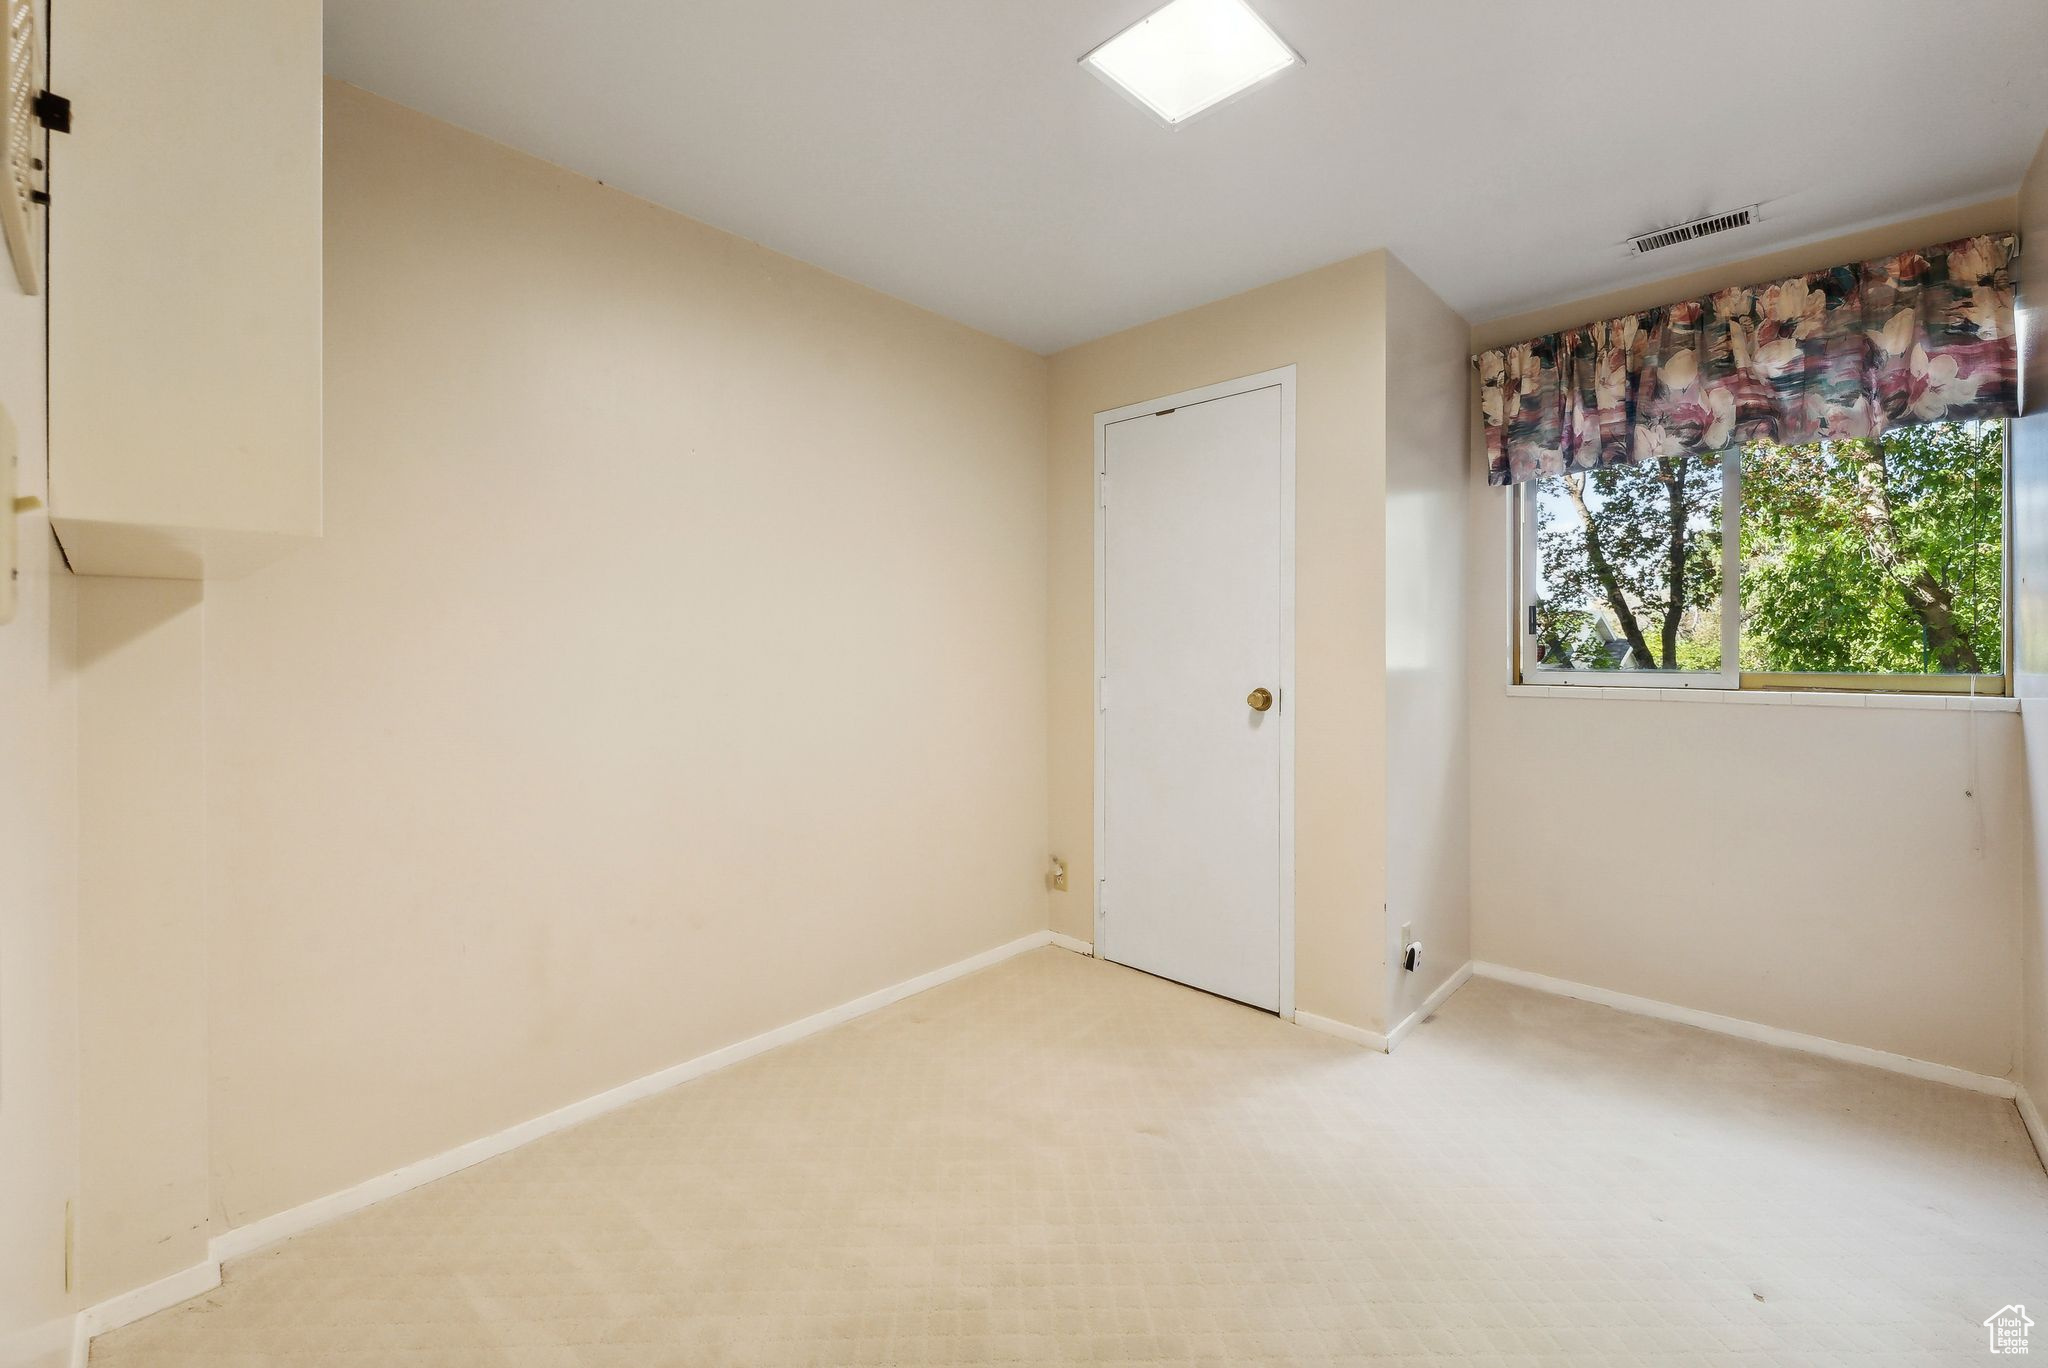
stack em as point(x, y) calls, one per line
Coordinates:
point(1629, 567)
point(1881, 556)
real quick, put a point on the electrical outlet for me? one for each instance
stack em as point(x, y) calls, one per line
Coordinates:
point(1059, 874)
point(1407, 936)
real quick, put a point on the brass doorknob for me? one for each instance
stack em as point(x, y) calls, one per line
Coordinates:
point(1260, 699)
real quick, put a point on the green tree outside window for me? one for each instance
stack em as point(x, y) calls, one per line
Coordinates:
point(1875, 556)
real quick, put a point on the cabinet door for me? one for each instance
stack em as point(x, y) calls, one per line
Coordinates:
point(185, 285)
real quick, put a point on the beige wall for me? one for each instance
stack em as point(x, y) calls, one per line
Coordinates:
point(143, 1207)
point(1427, 603)
point(2030, 593)
point(38, 887)
point(671, 668)
point(185, 420)
point(1330, 325)
point(1850, 873)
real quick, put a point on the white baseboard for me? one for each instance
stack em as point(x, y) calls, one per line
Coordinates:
point(1429, 1004)
point(2037, 1129)
point(164, 1293)
point(1343, 1030)
point(200, 1278)
point(1751, 1030)
point(1374, 1040)
point(1079, 947)
point(269, 1230)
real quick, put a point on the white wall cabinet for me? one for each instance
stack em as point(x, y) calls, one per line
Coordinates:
point(185, 284)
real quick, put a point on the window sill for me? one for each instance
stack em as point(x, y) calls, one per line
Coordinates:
point(1796, 698)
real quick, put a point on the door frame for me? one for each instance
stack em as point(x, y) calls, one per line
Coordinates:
point(1284, 377)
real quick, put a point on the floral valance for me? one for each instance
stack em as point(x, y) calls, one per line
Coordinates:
point(1921, 337)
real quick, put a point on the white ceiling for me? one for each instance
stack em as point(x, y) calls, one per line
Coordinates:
point(953, 153)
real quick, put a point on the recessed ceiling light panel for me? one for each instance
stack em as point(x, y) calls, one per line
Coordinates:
point(1192, 55)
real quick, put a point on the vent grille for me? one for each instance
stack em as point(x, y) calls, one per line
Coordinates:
point(18, 129)
point(1695, 229)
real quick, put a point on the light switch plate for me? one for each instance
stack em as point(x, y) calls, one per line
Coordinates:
point(10, 516)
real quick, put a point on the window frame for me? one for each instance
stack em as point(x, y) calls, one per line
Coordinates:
point(1526, 579)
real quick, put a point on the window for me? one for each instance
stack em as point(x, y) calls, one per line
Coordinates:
point(1868, 564)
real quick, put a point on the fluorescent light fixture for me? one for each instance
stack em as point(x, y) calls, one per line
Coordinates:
point(1191, 55)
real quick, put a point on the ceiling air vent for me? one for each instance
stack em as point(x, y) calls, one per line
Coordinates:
point(1690, 231)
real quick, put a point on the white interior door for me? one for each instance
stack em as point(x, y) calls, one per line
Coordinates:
point(1195, 619)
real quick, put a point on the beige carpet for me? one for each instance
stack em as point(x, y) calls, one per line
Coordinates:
point(1061, 1161)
